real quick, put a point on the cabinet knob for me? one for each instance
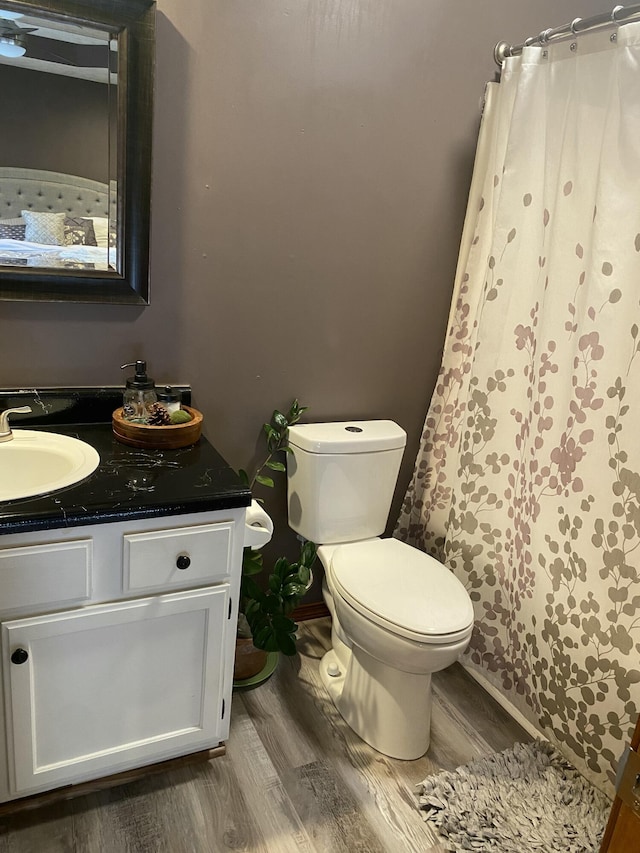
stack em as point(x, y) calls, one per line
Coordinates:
point(20, 656)
point(183, 561)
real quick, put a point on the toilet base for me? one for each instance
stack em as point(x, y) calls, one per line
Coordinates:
point(389, 709)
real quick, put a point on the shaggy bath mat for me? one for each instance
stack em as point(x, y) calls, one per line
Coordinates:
point(528, 798)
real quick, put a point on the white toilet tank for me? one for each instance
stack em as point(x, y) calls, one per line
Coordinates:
point(341, 478)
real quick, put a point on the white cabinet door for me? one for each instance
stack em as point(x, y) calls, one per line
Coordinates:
point(96, 690)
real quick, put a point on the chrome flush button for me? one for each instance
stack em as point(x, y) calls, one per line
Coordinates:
point(354, 429)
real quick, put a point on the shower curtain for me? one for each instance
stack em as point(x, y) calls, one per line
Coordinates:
point(527, 482)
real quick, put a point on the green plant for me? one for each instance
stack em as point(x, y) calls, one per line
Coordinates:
point(267, 611)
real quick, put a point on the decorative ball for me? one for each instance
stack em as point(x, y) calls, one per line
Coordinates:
point(180, 417)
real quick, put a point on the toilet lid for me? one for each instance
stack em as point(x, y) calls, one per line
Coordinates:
point(402, 589)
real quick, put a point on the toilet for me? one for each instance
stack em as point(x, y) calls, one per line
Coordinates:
point(398, 615)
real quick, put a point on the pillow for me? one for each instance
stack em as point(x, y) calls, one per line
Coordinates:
point(44, 228)
point(79, 231)
point(101, 228)
point(12, 231)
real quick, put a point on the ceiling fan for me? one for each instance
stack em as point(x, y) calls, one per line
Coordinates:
point(12, 37)
point(14, 44)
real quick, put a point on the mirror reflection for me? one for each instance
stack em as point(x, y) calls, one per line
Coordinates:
point(58, 146)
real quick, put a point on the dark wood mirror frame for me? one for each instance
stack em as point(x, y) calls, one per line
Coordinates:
point(133, 23)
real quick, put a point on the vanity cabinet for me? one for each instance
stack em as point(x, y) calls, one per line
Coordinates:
point(117, 644)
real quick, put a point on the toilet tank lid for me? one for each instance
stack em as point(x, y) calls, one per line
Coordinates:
point(348, 437)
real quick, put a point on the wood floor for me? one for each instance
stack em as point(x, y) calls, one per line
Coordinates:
point(295, 778)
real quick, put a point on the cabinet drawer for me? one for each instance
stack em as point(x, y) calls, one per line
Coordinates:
point(184, 556)
point(41, 575)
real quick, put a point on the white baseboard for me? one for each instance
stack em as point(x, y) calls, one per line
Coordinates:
point(502, 700)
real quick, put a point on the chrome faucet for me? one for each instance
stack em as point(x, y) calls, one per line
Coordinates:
point(5, 429)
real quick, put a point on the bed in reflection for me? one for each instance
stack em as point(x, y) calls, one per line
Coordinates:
point(52, 220)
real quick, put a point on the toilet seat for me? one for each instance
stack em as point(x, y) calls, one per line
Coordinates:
point(403, 590)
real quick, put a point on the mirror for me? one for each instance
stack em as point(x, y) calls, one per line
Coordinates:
point(75, 151)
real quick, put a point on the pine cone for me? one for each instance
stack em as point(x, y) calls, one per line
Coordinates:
point(158, 415)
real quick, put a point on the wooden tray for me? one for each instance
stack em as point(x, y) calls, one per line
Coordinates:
point(158, 437)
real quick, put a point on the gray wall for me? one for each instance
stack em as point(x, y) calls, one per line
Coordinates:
point(57, 123)
point(311, 167)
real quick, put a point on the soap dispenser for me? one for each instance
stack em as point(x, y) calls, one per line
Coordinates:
point(139, 394)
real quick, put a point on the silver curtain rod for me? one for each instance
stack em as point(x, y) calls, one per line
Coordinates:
point(619, 15)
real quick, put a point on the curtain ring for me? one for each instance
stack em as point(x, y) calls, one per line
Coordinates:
point(574, 24)
point(614, 12)
point(543, 38)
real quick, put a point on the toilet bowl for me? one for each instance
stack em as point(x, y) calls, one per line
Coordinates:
point(398, 615)
point(388, 637)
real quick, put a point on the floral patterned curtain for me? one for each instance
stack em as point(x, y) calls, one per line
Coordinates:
point(527, 483)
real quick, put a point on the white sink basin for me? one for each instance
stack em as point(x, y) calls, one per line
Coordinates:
point(33, 463)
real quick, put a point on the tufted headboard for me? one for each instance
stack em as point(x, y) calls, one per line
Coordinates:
point(39, 190)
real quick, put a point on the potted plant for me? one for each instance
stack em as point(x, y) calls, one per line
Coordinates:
point(264, 622)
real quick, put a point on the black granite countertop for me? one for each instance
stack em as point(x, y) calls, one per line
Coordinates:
point(129, 483)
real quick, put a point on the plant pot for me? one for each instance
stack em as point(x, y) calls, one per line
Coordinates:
point(249, 660)
point(266, 661)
